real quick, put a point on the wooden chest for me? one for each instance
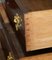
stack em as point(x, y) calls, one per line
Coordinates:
point(38, 23)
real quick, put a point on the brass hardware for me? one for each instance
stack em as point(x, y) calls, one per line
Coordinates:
point(17, 21)
point(10, 57)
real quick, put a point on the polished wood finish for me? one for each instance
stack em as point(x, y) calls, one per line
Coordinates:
point(11, 3)
point(38, 32)
point(38, 23)
point(2, 56)
point(47, 56)
point(34, 5)
point(12, 39)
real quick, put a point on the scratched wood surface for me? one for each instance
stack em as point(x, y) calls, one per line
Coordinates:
point(38, 30)
point(47, 56)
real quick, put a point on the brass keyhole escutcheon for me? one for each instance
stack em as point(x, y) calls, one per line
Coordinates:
point(17, 21)
point(10, 56)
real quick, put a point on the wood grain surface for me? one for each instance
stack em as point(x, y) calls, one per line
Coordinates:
point(34, 5)
point(2, 57)
point(47, 56)
point(38, 30)
point(11, 37)
point(38, 23)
